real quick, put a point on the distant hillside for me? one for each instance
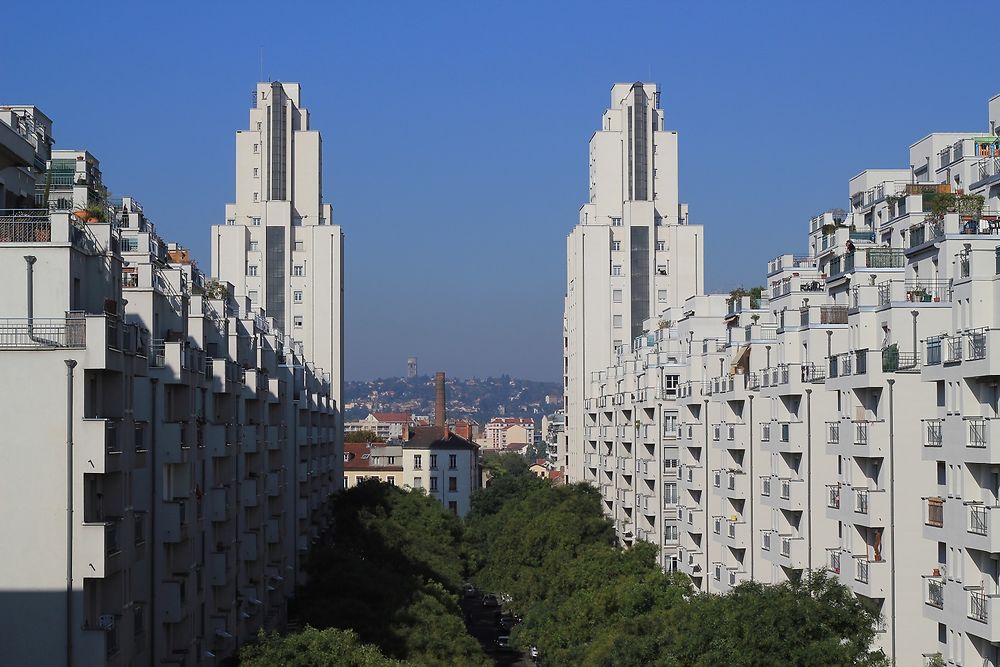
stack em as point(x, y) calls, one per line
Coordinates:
point(475, 398)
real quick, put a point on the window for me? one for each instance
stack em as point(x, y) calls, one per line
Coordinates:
point(418, 461)
point(616, 245)
point(434, 483)
point(391, 480)
point(661, 295)
point(252, 294)
point(669, 493)
point(453, 461)
point(616, 269)
point(670, 424)
point(345, 482)
point(299, 245)
point(255, 222)
point(298, 270)
point(616, 222)
point(661, 245)
point(252, 270)
point(661, 269)
point(298, 320)
point(617, 321)
point(453, 506)
point(434, 461)
point(130, 245)
point(256, 172)
point(670, 533)
point(230, 221)
point(256, 148)
point(453, 483)
point(418, 482)
point(253, 246)
point(670, 383)
point(256, 196)
point(297, 295)
point(616, 296)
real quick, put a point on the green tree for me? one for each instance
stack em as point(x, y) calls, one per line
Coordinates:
point(313, 648)
point(362, 436)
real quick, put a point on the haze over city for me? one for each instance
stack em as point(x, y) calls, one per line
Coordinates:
point(454, 137)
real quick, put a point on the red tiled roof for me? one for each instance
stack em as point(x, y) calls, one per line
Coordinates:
point(514, 446)
point(404, 417)
point(555, 474)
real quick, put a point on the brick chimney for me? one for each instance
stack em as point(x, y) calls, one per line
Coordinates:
point(440, 418)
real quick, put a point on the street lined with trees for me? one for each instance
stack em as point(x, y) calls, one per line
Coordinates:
point(386, 593)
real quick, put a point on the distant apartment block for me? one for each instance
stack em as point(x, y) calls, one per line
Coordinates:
point(385, 425)
point(502, 432)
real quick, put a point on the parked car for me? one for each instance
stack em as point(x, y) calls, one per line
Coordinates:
point(469, 591)
point(503, 642)
point(490, 600)
point(507, 622)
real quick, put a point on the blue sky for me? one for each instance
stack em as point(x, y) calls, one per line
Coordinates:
point(455, 133)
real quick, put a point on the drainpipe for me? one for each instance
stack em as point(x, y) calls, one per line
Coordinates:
point(750, 484)
point(892, 516)
point(915, 313)
point(29, 268)
point(704, 494)
point(70, 365)
point(809, 476)
point(152, 521)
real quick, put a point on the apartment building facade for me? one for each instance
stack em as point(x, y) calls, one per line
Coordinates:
point(843, 419)
point(631, 254)
point(279, 247)
point(172, 450)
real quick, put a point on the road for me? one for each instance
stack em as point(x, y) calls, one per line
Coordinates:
point(481, 625)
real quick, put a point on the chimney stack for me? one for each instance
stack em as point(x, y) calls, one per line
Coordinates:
point(439, 408)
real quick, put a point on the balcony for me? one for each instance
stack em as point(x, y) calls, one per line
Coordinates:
point(173, 520)
point(983, 613)
point(790, 494)
point(792, 553)
point(934, 592)
point(871, 507)
point(833, 496)
point(871, 577)
point(43, 333)
point(983, 528)
point(98, 444)
point(869, 439)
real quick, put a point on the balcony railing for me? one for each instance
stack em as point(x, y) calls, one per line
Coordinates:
point(935, 593)
point(832, 433)
point(863, 575)
point(926, 291)
point(24, 333)
point(25, 226)
point(861, 501)
point(979, 519)
point(933, 433)
point(977, 433)
point(978, 606)
point(861, 433)
point(833, 497)
point(835, 561)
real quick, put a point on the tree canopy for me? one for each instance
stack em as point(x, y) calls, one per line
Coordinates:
point(587, 601)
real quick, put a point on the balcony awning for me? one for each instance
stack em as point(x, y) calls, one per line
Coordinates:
point(741, 355)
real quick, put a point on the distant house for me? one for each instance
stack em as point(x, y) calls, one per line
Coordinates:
point(385, 425)
point(539, 469)
point(364, 460)
point(444, 464)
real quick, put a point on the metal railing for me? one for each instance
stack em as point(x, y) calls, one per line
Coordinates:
point(833, 498)
point(978, 608)
point(978, 522)
point(976, 343)
point(863, 575)
point(861, 433)
point(933, 433)
point(977, 433)
point(935, 593)
point(25, 226)
point(21, 333)
point(832, 433)
point(861, 501)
